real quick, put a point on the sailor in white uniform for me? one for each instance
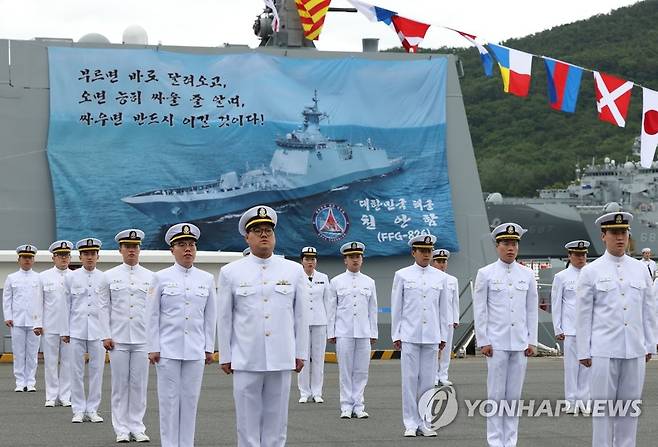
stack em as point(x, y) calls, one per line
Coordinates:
point(648, 262)
point(419, 318)
point(49, 312)
point(181, 335)
point(615, 330)
point(86, 289)
point(440, 261)
point(352, 326)
point(563, 310)
point(124, 318)
point(263, 331)
point(18, 299)
point(311, 378)
point(506, 309)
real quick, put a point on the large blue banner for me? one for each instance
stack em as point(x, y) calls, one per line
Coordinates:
point(344, 149)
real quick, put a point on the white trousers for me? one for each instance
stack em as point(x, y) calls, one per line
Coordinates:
point(57, 367)
point(80, 404)
point(353, 356)
point(130, 372)
point(505, 377)
point(261, 407)
point(25, 349)
point(310, 379)
point(616, 379)
point(576, 376)
point(418, 363)
point(179, 386)
point(444, 361)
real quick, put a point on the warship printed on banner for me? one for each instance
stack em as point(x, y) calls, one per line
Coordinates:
point(305, 163)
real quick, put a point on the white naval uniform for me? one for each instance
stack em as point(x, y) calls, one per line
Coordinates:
point(453, 314)
point(615, 328)
point(311, 378)
point(563, 309)
point(506, 310)
point(182, 324)
point(352, 320)
point(85, 290)
point(419, 318)
point(262, 329)
point(18, 298)
point(124, 319)
point(50, 311)
point(650, 265)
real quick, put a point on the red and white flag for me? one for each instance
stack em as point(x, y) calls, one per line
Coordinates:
point(649, 135)
point(410, 32)
point(275, 21)
point(613, 95)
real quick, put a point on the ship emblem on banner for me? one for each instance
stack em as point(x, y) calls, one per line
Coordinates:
point(331, 222)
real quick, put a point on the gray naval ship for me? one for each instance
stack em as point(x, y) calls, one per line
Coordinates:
point(557, 216)
point(305, 163)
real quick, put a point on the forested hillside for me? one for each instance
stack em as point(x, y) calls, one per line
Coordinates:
point(521, 144)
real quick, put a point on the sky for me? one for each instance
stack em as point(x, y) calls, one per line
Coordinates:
point(216, 22)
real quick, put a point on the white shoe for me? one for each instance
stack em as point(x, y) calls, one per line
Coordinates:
point(94, 417)
point(66, 403)
point(303, 400)
point(18, 389)
point(428, 432)
point(318, 399)
point(362, 415)
point(49, 403)
point(31, 389)
point(446, 383)
point(123, 438)
point(410, 433)
point(78, 418)
point(347, 414)
point(141, 437)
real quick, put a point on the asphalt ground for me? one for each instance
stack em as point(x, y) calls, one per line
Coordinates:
point(24, 421)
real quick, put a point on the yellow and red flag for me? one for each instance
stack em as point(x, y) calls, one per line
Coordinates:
point(312, 13)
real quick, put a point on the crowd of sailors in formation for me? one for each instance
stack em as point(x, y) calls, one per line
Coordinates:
point(272, 316)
